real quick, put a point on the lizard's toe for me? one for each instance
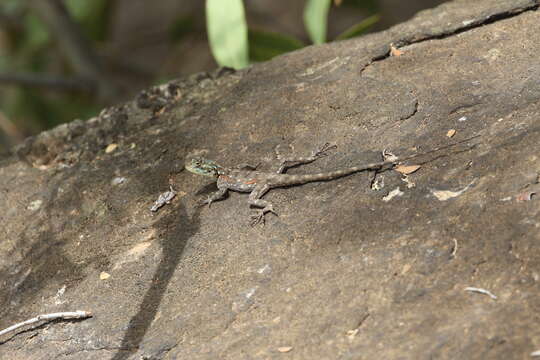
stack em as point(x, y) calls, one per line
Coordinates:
point(269, 209)
point(204, 202)
point(257, 218)
point(322, 151)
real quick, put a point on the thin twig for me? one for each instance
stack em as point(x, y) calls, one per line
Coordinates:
point(79, 314)
point(74, 44)
point(481, 291)
point(9, 128)
point(47, 81)
point(444, 147)
point(10, 22)
point(454, 250)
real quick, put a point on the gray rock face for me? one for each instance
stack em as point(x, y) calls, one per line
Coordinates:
point(344, 272)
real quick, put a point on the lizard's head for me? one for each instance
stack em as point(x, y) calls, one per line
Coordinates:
point(201, 166)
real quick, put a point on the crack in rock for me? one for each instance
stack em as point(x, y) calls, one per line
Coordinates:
point(467, 25)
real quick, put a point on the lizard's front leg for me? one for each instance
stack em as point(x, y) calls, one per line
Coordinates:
point(218, 195)
point(245, 166)
point(294, 161)
point(255, 200)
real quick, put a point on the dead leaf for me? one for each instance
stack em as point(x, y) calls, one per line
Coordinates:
point(410, 184)
point(104, 275)
point(388, 156)
point(451, 133)
point(352, 333)
point(444, 195)
point(526, 196)
point(395, 51)
point(405, 269)
point(407, 169)
point(284, 349)
point(377, 184)
point(160, 111)
point(110, 148)
point(392, 194)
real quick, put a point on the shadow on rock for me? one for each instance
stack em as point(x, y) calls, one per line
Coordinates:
point(176, 229)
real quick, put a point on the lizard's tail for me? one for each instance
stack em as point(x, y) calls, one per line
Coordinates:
point(379, 166)
point(331, 175)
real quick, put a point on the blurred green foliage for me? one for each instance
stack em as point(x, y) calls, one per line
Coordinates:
point(265, 45)
point(27, 50)
point(92, 16)
point(315, 19)
point(28, 47)
point(181, 27)
point(360, 28)
point(226, 26)
point(227, 32)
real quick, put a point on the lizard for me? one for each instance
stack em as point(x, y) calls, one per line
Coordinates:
point(245, 178)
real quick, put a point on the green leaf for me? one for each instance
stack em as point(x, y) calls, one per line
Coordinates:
point(360, 28)
point(265, 45)
point(315, 19)
point(227, 32)
point(37, 35)
point(79, 8)
point(91, 15)
point(4, 63)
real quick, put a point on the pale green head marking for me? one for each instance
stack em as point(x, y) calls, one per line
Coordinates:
point(201, 166)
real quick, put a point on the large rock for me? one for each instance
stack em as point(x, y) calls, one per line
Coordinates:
point(345, 271)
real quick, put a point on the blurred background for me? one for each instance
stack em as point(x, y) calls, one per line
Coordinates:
point(62, 60)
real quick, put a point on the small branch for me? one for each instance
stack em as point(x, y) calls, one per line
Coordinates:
point(10, 22)
point(48, 82)
point(75, 45)
point(79, 314)
point(13, 133)
point(481, 291)
point(454, 250)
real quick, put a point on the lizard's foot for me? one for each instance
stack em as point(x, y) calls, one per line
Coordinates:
point(323, 150)
point(204, 202)
point(258, 217)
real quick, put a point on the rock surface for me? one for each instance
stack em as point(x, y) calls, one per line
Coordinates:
point(345, 271)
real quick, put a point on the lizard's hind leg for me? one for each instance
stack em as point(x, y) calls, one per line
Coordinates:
point(218, 195)
point(294, 161)
point(255, 200)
